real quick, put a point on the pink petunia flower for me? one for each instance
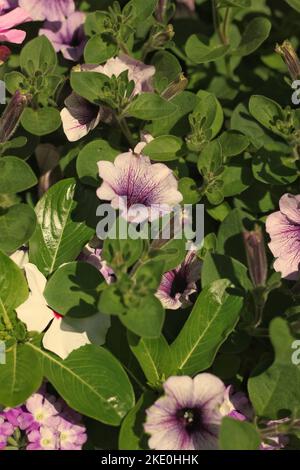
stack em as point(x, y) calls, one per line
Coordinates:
point(68, 37)
point(51, 10)
point(8, 21)
point(284, 230)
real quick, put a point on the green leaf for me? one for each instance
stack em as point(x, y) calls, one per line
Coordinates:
point(277, 388)
point(13, 285)
point(210, 110)
point(143, 9)
point(149, 106)
point(91, 381)
point(233, 143)
point(212, 319)
point(66, 222)
point(216, 266)
point(256, 32)
point(18, 378)
point(238, 435)
point(73, 289)
point(189, 190)
point(41, 121)
point(89, 85)
point(171, 253)
point(132, 435)
point(99, 49)
point(14, 81)
point(273, 168)
point(294, 4)
point(15, 175)
point(89, 156)
point(266, 111)
point(200, 53)
point(236, 177)
point(163, 148)
point(17, 224)
point(167, 70)
point(38, 55)
point(146, 319)
point(154, 357)
point(210, 159)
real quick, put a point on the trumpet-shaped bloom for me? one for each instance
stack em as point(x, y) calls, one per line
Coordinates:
point(136, 186)
point(13, 18)
point(187, 417)
point(69, 37)
point(63, 334)
point(284, 230)
point(51, 10)
point(179, 284)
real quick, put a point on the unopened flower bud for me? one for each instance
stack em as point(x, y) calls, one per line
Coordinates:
point(12, 115)
point(256, 256)
point(4, 54)
point(290, 57)
point(176, 87)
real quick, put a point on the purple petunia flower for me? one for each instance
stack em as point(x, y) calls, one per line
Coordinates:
point(51, 10)
point(67, 36)
point(284, 230)
point(79, 117)
point(140, 189)
point(188, 416)
point(236, 405)
point(93, 256)
point(178, 284)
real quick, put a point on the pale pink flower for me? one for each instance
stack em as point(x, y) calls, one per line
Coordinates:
point(8, 20)
point(51, 10)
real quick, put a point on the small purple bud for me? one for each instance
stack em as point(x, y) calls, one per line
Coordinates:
point(256, 256)
point(12, 115)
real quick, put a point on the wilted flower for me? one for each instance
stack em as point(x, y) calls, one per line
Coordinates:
point(179, 284)
point(8, 21)
point(68, 36)
point(51, 10)
point(284, 230)
point(137, 187)
point(187, 417)
point(63, 335)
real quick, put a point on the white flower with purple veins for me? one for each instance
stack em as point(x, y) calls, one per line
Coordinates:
point(140, 189)
point(63, 335)
point(79, 116)
point(179, 284)
point(93, 256)
point(187, 417)
point(51, 10)
point(67, 36)
point(284, 230)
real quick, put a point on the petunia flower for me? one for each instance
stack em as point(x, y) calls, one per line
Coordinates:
point(179, 284)
point(79, 117)
point(68, 37)
point(138, 72)
point(236, 405)
point(63, 335)
point(187, 417)
point(140, 189)
point(93, 256)
point(51, 10)
point(8, 21)
point(284, 230)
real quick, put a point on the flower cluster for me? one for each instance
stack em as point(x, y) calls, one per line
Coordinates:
point(42, 423)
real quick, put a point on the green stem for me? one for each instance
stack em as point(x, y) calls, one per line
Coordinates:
point(126, 131)
point(140, 385)
point(226, 23)
point(6, 319)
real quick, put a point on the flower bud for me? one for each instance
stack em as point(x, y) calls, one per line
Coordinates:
point(175, 87)
point(12, 115)
point(256, 256)
point(290, 57)
point(4, 54)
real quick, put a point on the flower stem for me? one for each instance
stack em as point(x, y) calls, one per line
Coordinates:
point(126, 131)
